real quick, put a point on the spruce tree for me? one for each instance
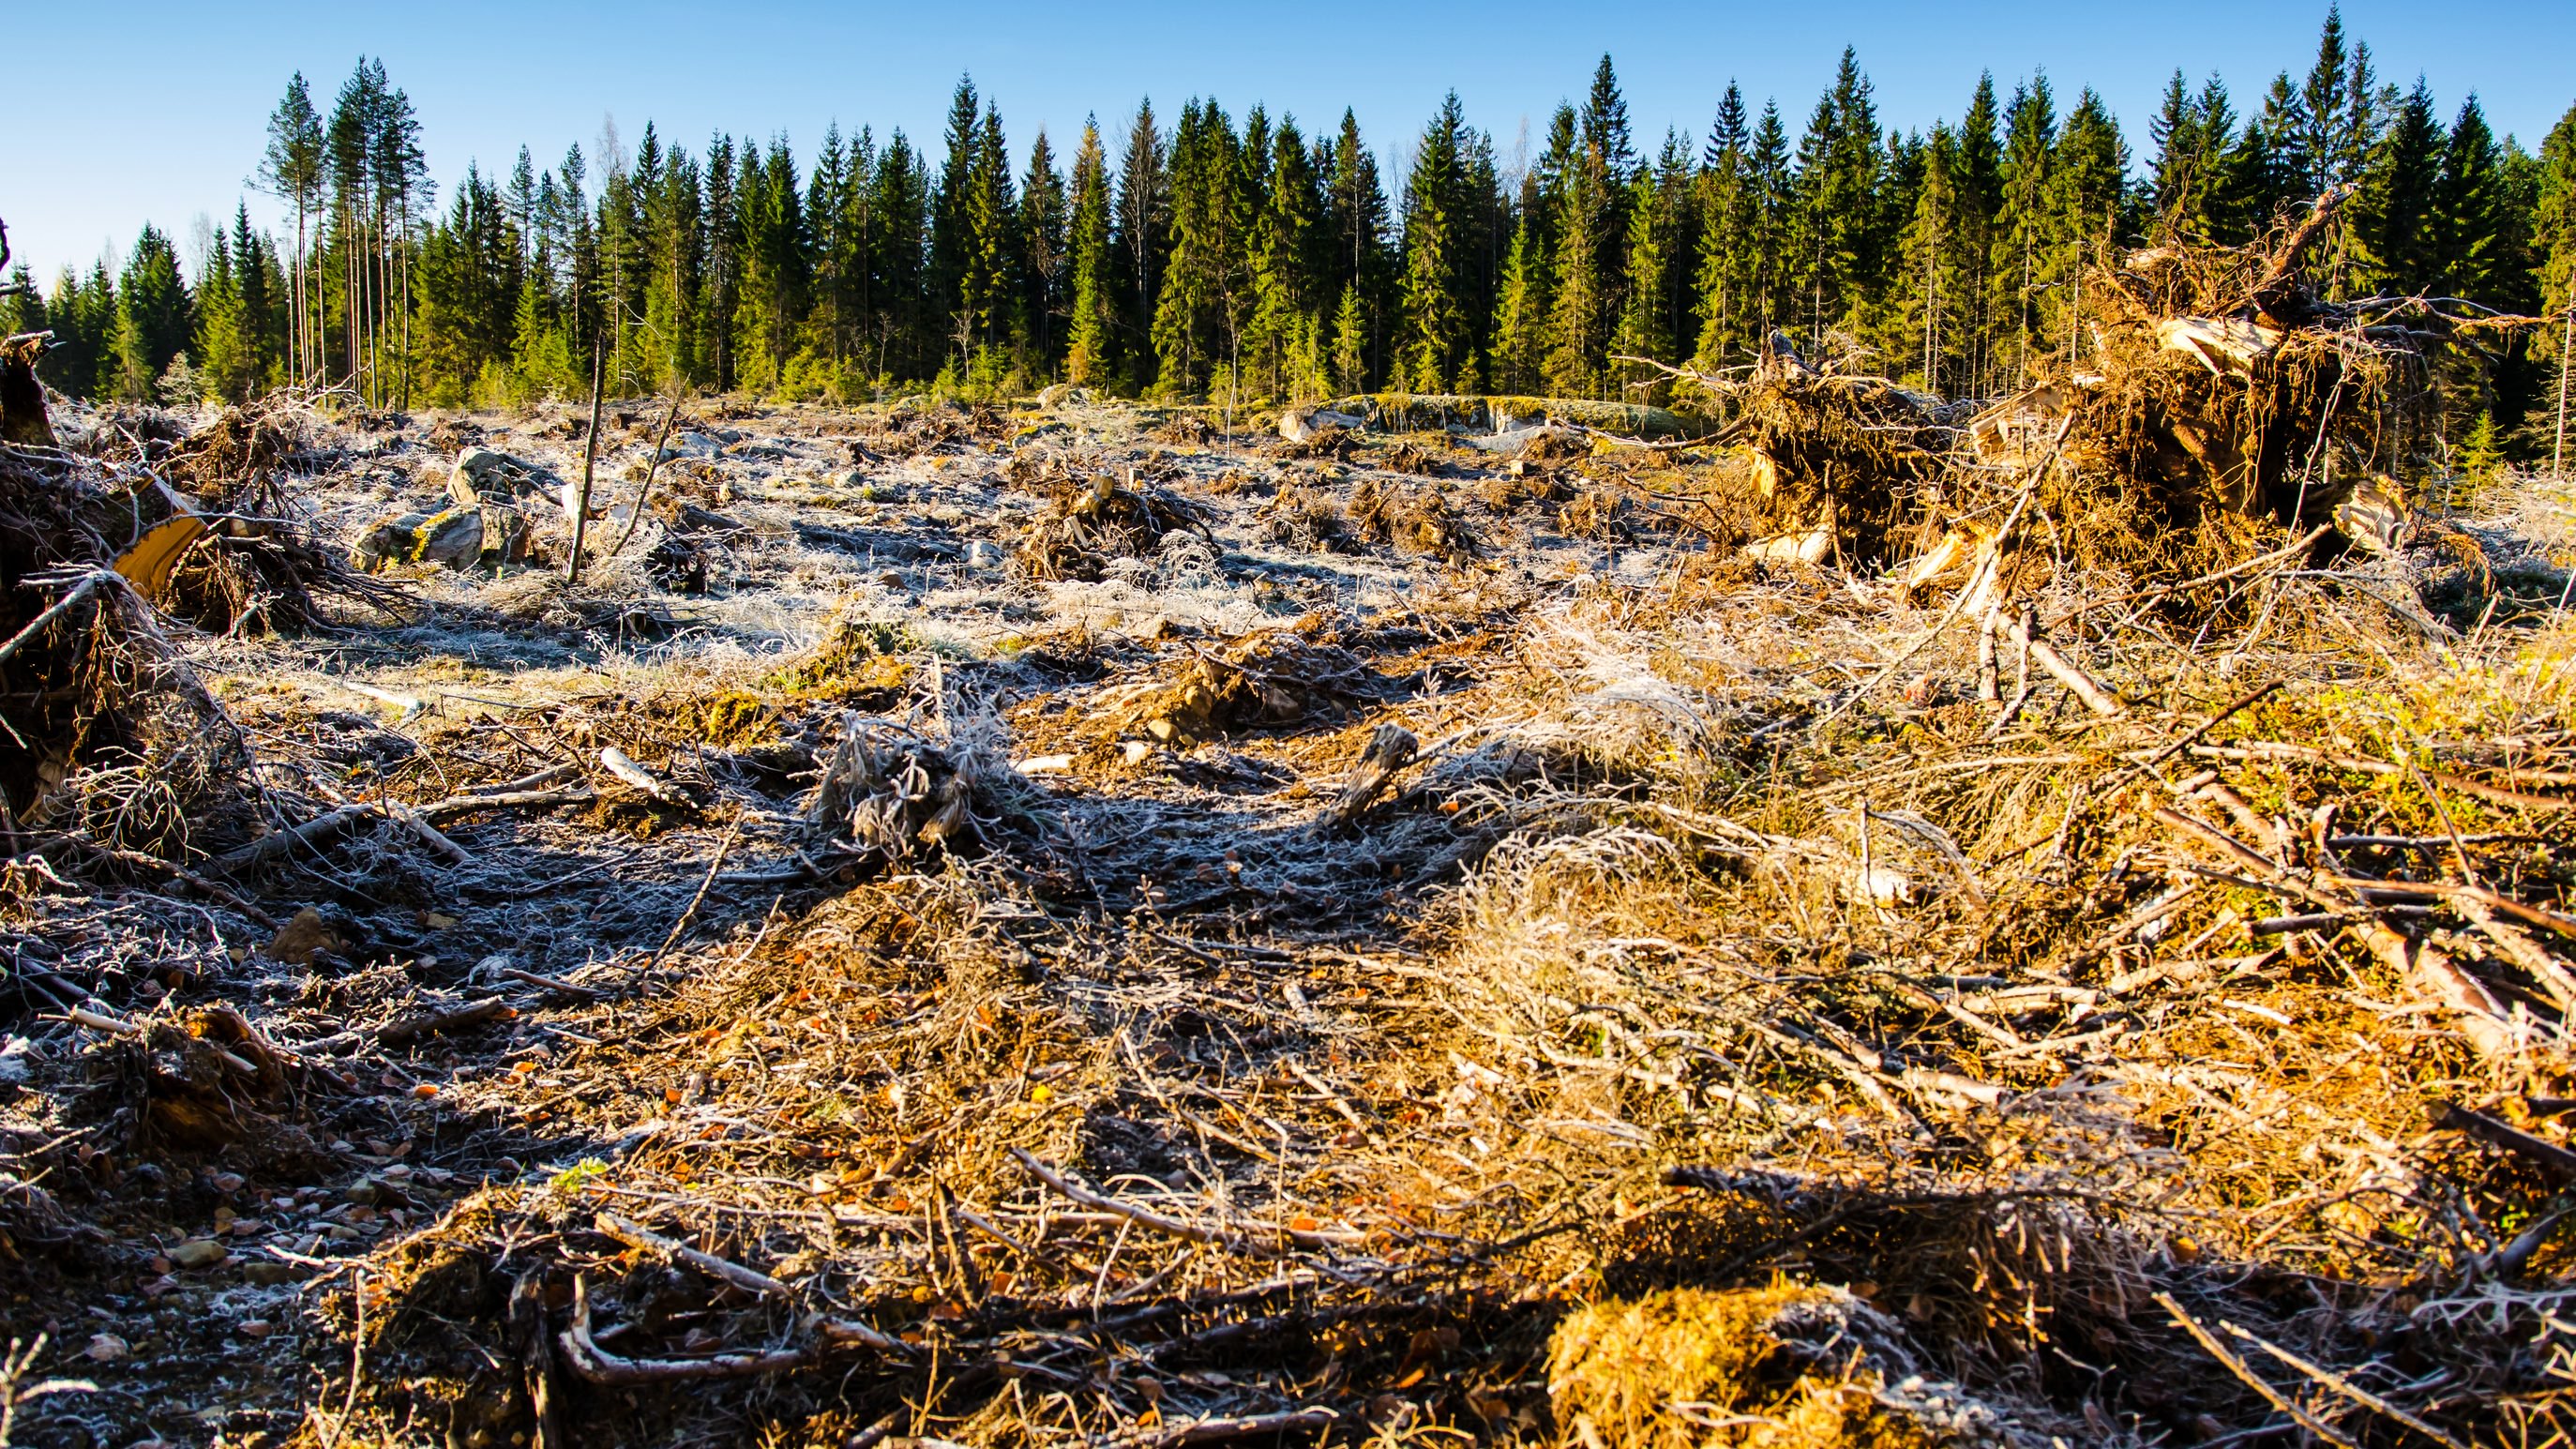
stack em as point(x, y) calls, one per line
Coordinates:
point(1358, 216)
point(2470, 219)
point(2022, 221)
point(1090, 351)
point(1652, 315)
point(1290, 257)
point(2392, 232)
point(2554, 248)
point(951, 240)
point(1520, 314)
point(1044, 257)
point(153, 317)
point(1726, 200)
point(2088, 192)
point(1432, 331)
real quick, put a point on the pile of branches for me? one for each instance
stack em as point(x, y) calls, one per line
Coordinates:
point(1411, 519)
point(909, 432)
point(2219, 396)
point(260, 562)
point(1261, 680)
point(1087, 524)
point(110, 734)
point(890, 790)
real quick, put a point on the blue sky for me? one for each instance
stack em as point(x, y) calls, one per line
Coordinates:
point(135, 111)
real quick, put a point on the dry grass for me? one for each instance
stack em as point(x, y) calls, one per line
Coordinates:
point(1729, 1029)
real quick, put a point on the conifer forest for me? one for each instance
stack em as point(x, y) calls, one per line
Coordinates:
point(1216, 781)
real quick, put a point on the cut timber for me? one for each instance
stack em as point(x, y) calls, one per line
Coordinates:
point(1390, 749)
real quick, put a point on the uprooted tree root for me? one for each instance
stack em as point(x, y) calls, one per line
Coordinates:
point(2220, 404)
point(1086, 524)
point(1411, 518)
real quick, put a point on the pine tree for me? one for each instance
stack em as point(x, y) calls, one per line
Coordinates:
point(1090, 351)
point(293, 171)
point(1143, 218)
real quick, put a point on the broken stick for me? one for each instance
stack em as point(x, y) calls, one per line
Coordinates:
point(1389, 750)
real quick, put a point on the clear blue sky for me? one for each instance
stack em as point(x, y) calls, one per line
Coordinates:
point(123, 112)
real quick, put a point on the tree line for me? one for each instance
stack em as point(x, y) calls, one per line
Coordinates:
point(1241, 258)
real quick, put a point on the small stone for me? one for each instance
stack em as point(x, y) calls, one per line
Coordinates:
point(362, 1192)
point(226, 1182)
point(106, 1348)
point(268, 1274)
point(254, 1328)
point(301, 939)
point(248, 1227)
point(343, 1233)
point(199, 1253)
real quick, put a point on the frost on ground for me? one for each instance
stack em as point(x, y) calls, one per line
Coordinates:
point(890, 954)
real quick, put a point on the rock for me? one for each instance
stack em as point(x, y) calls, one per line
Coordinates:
point(453, 537)
point(106, 1348)
point(269, 1273)
point(1303, 423)
point(301, 939)
point(484, 475)
point(199, 1253)
point(254, 1328)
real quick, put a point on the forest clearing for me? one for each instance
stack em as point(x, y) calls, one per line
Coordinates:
point(1822, 918)
point(1895, 790)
